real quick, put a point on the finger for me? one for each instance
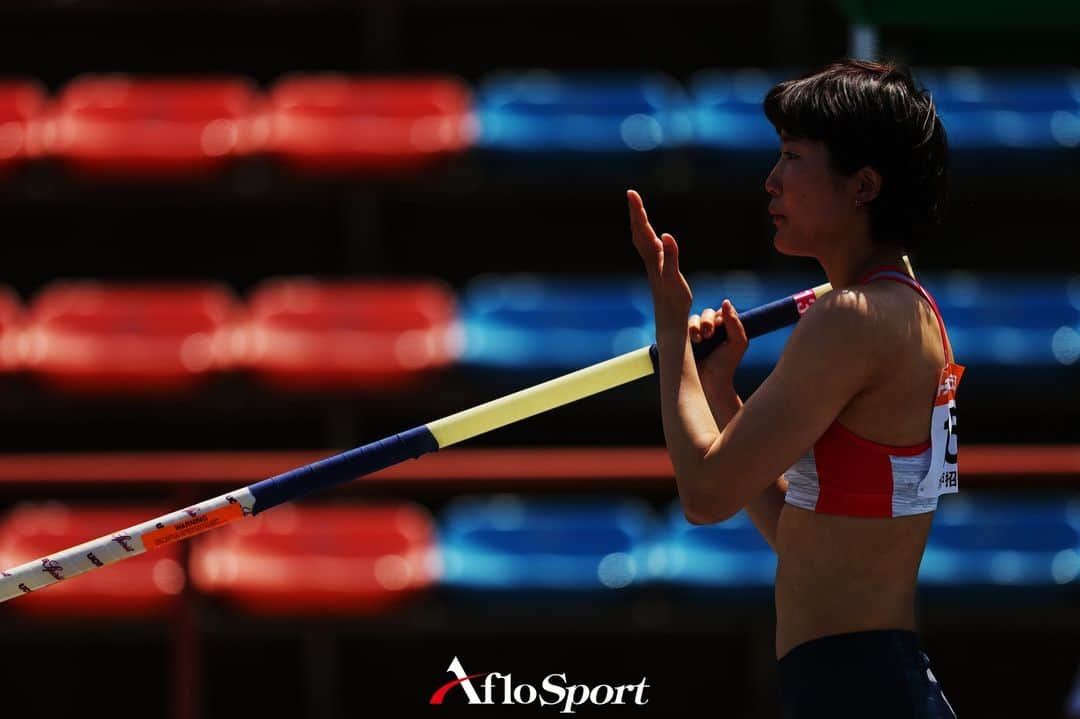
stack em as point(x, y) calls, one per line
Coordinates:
point(736, 333)
point(708, 323)
point(637, 205)
point(652, 254)
point(644, 236)
point(694, 326)
point(650, 250)
point(670, 268)
point(639, 220)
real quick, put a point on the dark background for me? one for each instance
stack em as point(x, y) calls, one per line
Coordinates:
point(998, 655)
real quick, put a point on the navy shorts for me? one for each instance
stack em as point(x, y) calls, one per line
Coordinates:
point(879, 673)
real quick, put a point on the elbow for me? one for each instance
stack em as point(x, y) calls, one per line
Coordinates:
point(700, 510)
point(696, 517)
point(708, 491)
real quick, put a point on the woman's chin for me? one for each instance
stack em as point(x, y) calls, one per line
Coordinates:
point(785, 247)
point(782, 246)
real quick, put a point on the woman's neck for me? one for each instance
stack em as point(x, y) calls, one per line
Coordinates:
point(844, 270)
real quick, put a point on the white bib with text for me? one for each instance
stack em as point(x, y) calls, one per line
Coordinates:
point(942, 477)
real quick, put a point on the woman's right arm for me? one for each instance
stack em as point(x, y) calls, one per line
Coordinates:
point(764, 509)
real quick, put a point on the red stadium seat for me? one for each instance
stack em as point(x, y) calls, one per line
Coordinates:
point(116, 124)
point(22, 102)
point(91, 336)
point(337, 122)
point(298, 559)
point(310, 334)
point(145, 585)
point(10, 317)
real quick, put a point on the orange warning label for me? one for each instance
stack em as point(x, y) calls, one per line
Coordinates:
point(191, 526)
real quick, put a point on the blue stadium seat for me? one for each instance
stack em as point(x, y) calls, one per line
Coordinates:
point(508, 542)
point(1021, 109)
point(1003, 541)
point(994, 320)
point(534, 322)
point(727, 108)
point(1008, 320)
point(543, 111)
point(729, 554)
point(981, 108)
point(550, 323)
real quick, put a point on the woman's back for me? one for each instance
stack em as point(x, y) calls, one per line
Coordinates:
point(840, 573)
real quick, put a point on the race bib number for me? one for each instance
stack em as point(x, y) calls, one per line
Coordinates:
point(942, 476)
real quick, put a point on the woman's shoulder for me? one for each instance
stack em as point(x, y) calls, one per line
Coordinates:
point(858, 308)
point(883, 319)
point(872, 317)
point(874, 302)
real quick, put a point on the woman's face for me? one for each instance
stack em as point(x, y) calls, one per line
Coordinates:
point(815, 204)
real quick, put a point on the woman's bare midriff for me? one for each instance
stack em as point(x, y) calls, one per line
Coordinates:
point(840, 574)
point(844, 574)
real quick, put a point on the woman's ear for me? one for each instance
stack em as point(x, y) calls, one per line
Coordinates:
point(868, 185)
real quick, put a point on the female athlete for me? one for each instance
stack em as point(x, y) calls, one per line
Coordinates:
point(840, 454)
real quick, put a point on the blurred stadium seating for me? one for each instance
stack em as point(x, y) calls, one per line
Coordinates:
point(320, 560)
point(727, 555)
point(333, 122)
point(309, 334)
point(99, 338)
point(238, 236)
point(123, 125)
point(348, 334)
point(1004, 541)
point(517, 544)
point(21, 103)
point(164, 126)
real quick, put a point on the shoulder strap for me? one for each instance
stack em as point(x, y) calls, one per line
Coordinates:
point(889, 272)
point(866, 276)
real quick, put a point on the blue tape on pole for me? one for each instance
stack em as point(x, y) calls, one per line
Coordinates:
point(758, 321)
point(343, 467)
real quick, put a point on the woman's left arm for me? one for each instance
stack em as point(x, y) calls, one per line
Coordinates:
point(832, 355)
point(829, 358)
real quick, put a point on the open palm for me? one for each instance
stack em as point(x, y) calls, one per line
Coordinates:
point(671, 293)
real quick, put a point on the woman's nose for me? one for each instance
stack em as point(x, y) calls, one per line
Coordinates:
point(772, 184)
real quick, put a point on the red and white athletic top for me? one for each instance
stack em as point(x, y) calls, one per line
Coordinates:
point(846, 474)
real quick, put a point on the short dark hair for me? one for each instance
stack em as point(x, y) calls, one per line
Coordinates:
point(872, 113)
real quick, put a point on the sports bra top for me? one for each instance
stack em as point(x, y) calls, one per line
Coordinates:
point(846, 474)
